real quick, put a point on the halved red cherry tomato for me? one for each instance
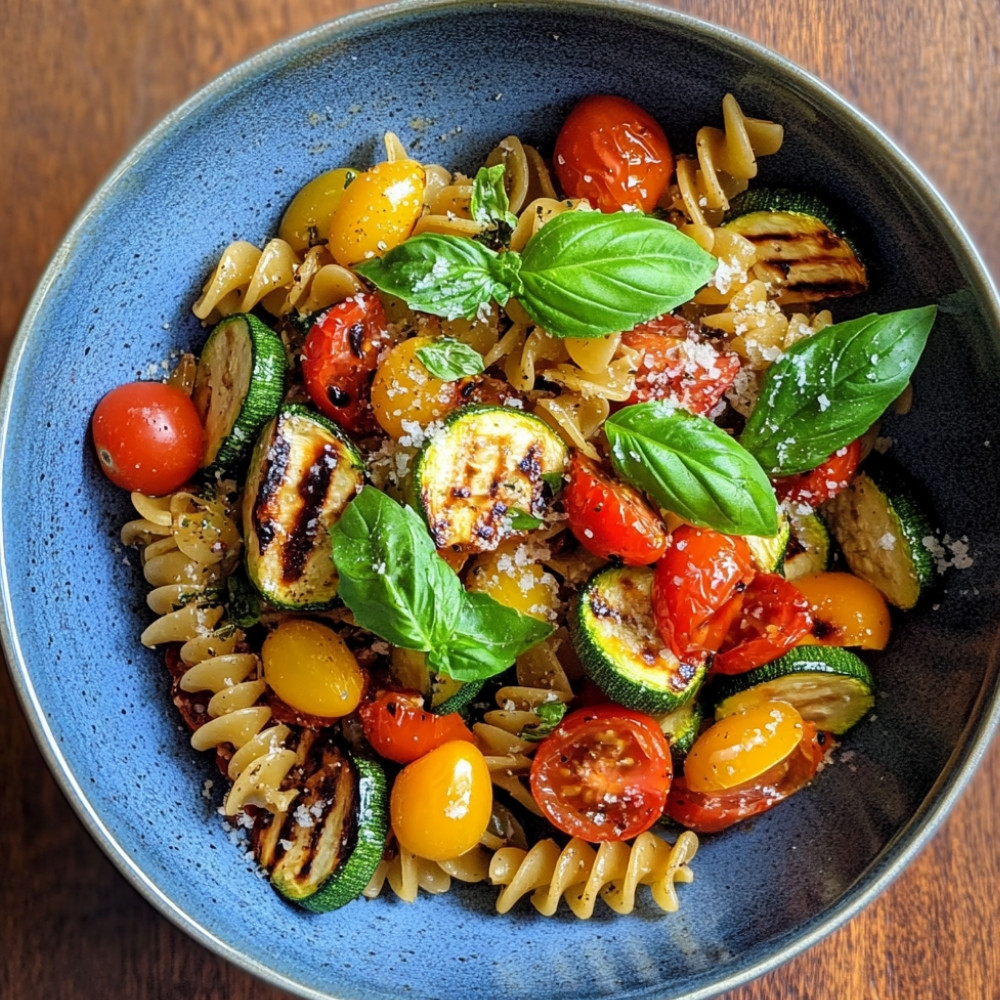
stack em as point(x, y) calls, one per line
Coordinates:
point(710, 812)
point(675, 364)
point(398, 728)
point(610, 518)
point(603, 774)
point(339, 359)
point(693, 589)
point(613, 153)
point(774, 616)
point(825, 481)
point(148, 437)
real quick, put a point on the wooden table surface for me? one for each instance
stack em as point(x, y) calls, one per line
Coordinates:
point(81, 81)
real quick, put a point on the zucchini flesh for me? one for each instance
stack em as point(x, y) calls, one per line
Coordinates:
point(442, 694)
point(880, 529)
point(768, 551)
point(828, 685)
point(809, 546)
point(681, 726)
point(485, 465)
point(324, 852)
point(303, 473)
point(238, 387)
point(615, 636)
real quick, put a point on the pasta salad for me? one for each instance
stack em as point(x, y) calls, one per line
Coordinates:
point(523, 527)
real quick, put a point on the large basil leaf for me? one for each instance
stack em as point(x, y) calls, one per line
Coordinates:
point(489, 203)
point(688, 465)
point(828, 389)
point(587, 274)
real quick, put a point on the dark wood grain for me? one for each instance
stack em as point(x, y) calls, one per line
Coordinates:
point(80, 83)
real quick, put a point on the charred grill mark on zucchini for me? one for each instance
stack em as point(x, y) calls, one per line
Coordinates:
point(313, 489)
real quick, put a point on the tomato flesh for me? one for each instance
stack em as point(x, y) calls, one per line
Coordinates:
point(148, 437)
point(603, 774)
point(611, 519)
point(397, 726)
point(825, 481)
point(613, 153)
point(693, 587)
point(339, 358)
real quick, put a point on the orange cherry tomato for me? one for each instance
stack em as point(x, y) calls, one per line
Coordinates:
point(148, 437)
point(773, 617)
point(675, 364)
point(603, 774)
point(825, 481)
point(613, 153)
point(610, 518)
point(693, 589)
point(398, 728)
point(848, 611)
point(339, 358)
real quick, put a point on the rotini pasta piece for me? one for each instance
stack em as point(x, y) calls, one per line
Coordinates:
point(581, 874)
point(319, 283)
point(575, 418)
point(526, 177)
point(406, 873)
point(538, 212)
point(616, 382)
point(246, 276)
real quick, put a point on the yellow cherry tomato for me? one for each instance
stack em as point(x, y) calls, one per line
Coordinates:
point(405, 396)
point(742, 746)
point(849, 611)
point(306, 221)
point(441, 803)
point(509, 579)
point(310, 668)
point(377, 211)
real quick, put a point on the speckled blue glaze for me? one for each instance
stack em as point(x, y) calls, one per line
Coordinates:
point(450, 79)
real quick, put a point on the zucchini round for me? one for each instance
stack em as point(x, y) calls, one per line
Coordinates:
point(238, 387)
point(681, 727)
point(614, 634)
point(829, 686)
point(442, 694)
point(768, 551)
point(809, 547)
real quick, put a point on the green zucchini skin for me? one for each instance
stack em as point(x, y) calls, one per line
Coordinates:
point(238, 387)
point(303, 473)
point(805, 250)
point(828, 685)
point(810, 546)
point(880, 527)
point(614, 634)
point(485, 463)
point(681, 728)
point(768, 552)
point(323, 853)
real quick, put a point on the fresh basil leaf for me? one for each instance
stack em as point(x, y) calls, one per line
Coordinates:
point(489, 203)
point(587, 274)
point(391, 576)
point(828, 389)
point(555, 481)
point(448, 276)
point(550, 714)
point(521, 520)
point(690, 466)
point(449, 359)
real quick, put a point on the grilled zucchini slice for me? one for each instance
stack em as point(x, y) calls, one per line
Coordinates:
point(809, 547)
point(238, 387)
point(302, 474)
point(768, 551)
point(485, 466)
point(681, 727)
point(804, 250)
point(442, 694)
point(324, 852)
point(880, 528)
point(615, 636)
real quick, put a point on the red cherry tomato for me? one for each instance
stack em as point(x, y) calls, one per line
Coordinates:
point(710, 812)
point(339, 358)
point(614, 154)
point(398, 728)
point(675, 364)
point(611, 519)
point(823, 482)
point(693, 589)
point(774, 616)
point(603, 774)
point(148, 437)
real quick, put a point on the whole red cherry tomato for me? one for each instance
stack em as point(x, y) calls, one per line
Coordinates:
point(613, 153)
point(774, 616)
point(397, 726)
point(148, 437)
point(611, 519)
point(693, 589)
point(339, 358)
point(823, 482)
point(675, 364)
point(603, 774)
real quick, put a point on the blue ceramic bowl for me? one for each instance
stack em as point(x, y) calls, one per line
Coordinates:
point(451, 78)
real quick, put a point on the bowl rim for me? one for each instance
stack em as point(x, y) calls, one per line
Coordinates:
point(984, 714)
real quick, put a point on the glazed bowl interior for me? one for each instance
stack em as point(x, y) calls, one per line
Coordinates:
point(451, 79)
